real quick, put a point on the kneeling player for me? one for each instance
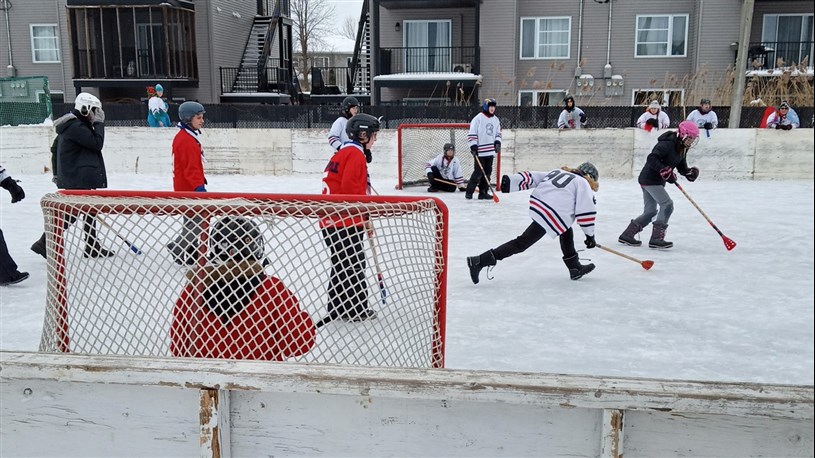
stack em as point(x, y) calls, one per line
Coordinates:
point(444, 171)
point(560, 197)
point(232, 309)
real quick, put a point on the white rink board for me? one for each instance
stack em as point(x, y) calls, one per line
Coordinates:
point(128, 406)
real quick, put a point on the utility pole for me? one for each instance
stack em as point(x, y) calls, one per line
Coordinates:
point(741, 64)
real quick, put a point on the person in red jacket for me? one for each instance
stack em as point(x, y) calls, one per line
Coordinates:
point(232, 309)
point(347, 173)
point(188, 175)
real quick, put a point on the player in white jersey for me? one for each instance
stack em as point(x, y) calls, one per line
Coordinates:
point(559, 198)
point(444, 171)
point(571, 117)
point(337, 135)
point(704, 117)
point(653, 118)
point(484, 139)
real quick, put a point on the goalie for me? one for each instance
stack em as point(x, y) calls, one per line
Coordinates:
point(231, 309)
point(444, 171)
point(560, 197)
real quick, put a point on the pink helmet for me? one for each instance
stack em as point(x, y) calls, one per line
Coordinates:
point(688, 129)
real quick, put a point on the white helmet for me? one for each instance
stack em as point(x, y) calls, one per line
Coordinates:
point(85, 102)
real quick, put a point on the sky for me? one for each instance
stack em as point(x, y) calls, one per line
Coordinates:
point(701, 312)
point(342, 10)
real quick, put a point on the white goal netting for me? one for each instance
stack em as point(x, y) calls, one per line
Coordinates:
point(241, 276)
point(420, 143)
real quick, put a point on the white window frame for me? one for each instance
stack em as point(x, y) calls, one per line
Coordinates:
point(321, 61)
point(774, 39)
point(34, 47)
point(535, 95)
point(666, 98)
point(536, 45)
point(668, 54)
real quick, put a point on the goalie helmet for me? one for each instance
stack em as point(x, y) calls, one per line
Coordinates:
point(361, 123)
point(235, 238)
point(85, 102)
point(588, 169)
point(448, 147)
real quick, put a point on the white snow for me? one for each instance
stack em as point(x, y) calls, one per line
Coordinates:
point(701, 312)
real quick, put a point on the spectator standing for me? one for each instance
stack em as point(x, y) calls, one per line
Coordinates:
point(653, 118)
point(347, 173)
point(704, 117)
point(188, 175)
point(784, 118)
point(79, 164)
point(9, 274)
point(157, 109)
point(484, 139)
point(337, 135)
point(444, 171)
point(571, 117)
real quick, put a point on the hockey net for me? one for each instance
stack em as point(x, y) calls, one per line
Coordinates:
point(214, 300)
point(420, 143)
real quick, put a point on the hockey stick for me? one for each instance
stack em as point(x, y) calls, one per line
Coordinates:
point(383, 291)
point(728, 243)
point(645, 264)
point(132, 247)
point(448, 182)
point(494, 194)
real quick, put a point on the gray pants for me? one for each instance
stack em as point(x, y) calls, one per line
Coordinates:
point(187, 240)
point(653, 197)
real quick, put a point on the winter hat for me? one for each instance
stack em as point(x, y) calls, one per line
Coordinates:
point(654, 104)
point(784, 104)
point(159, 88)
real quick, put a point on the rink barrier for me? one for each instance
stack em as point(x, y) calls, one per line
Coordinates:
point(618, 153)
point(58, 404)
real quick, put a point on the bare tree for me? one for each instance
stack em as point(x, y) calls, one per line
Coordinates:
point(312, 22)
point(348, 29)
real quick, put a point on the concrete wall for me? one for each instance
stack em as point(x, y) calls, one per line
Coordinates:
point(617, 153)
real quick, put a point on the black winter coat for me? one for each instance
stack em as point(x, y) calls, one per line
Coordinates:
point(78, 162)
point(666, 153)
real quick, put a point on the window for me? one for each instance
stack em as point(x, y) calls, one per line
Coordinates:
point(546, 37)
point(662, 36)
point(427, 46)
point(320, 62)
point(666, 97)
point(44, 43)
point(540, 98)
point(790, 35)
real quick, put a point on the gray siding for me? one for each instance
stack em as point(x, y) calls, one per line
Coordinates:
point(720, 23)
point(499, 33)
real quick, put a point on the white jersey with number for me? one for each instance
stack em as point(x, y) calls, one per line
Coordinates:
point(449, 170)
point(484, 132)
point(559, 198)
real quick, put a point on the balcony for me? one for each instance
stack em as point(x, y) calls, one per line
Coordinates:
point(770, 55)
point(394, 61)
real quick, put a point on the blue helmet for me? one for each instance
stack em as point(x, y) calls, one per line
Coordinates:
point(487, 103)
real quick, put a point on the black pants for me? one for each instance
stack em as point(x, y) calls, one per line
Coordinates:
point(441, 186)
point(481, 179)
point(8, 268)
point(347, 287)
point(530, 236)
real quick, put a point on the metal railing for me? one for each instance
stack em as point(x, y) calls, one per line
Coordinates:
point(429, 59)
point(271, 79)
point(768, 55)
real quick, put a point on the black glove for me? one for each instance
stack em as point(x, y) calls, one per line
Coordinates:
point(653, 123)
point(582, 118)
point(10, 185)
point(368, 156)
point(779, 127)
point(692, 174)
point(430, 177)
point(590, 243)
point(474, 150)
point(708, 126)
point(667, 174)
point(505, 184)
point(787, 127)
point(497, 145)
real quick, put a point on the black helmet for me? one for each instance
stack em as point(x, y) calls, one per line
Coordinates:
point(566, 102)
point(449, 146)
point(361, 123)
point(590, 170)
point(236, 238)
point(347, 103)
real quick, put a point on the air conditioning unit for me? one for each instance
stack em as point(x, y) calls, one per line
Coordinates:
point(463, 68)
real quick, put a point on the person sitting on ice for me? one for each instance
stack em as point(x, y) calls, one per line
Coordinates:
point(444, 171)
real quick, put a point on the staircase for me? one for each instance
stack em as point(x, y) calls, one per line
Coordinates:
point(247, 78)
point(361, 63)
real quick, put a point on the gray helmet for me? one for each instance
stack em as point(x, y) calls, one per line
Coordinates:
point(449, 146)
point(236, 238)
point(188, 110)
point(590, 170)
point(348, 103)
point(361, 123)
